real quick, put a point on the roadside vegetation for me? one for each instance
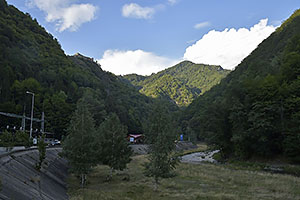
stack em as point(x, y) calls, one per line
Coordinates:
point(42, 152)
point(19, 138)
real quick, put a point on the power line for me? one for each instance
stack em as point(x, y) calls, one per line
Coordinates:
point(21, 117)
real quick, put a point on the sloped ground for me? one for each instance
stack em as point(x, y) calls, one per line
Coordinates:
point(20, 180)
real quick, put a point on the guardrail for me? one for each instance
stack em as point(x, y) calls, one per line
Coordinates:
point(20, 149)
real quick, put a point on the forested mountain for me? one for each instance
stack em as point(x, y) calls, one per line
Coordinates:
point(32, 60)
point(255, 110)
point(181, 83)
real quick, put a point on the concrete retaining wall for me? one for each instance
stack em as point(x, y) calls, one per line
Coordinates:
point(20, 180)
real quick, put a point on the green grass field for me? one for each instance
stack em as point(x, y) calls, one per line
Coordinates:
point(204, 181)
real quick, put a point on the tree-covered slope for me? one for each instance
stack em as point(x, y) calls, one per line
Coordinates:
point(255, 110)
point(32, 60)
point(131, 107)
point(181, 83)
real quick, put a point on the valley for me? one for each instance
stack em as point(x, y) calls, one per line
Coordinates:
point(243, 120)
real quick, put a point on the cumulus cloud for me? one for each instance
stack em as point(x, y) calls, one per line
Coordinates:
point(134, 10)
point(201, 25)
point(138, 61)
point(67, 16)
point(229, 47)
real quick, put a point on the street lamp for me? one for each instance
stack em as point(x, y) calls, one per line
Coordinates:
point(32, 105)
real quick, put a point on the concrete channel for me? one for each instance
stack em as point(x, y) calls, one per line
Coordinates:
point(21, 181)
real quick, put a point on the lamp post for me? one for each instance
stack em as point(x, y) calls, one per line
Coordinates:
point(32, 105)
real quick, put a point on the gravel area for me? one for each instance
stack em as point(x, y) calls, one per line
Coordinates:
point(199, 157)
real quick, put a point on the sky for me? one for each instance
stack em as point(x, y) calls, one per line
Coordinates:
point(144, 37)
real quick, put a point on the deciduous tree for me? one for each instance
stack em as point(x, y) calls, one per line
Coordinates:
point(161, 138)
point(115, 151)
point(78, 147)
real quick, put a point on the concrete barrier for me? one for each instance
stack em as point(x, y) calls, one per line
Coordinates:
point(20, 179)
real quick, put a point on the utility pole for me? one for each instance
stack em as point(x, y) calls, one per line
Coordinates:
point(32, 105)
point(43, 123)
point(23, 125)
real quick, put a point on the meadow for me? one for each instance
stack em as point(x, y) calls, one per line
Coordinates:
point(193, 181)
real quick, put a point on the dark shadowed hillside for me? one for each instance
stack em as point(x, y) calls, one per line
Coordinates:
point(32, 60)
point(255, 110)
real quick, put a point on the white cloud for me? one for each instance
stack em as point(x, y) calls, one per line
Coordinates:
point(201, 25)
point(229, 47)
point(172, 2)
point(66, 15)
point(138, 61)
point(134, 10)
point(76, 15)
point(226, 48)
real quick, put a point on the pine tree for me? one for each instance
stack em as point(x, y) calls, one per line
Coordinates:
point(160, 136)
point(79, 145)
point(115, 151)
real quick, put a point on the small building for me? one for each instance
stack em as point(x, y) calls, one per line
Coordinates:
point(135, 138)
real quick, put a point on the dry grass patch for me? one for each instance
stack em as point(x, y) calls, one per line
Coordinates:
point(204, 181)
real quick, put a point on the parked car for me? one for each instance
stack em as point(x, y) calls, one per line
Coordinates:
point(56, 142)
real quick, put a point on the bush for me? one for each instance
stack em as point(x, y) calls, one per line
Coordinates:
point(22, 139)
point(10, 140)
point(7, 139)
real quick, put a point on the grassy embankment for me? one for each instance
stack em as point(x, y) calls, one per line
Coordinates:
point(200, 147)
point(204, 181)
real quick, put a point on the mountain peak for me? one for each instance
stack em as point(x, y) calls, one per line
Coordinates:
point(181, 83)
point(78, 55)
point(185, 62)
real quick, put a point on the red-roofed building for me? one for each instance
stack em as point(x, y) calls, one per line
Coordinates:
point(135, 138)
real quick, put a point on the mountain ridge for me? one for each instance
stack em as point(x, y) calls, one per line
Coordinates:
point(179, 84)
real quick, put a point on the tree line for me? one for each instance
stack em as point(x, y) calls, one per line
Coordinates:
point(87, 145)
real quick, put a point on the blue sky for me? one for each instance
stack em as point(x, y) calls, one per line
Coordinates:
point(143, 36)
